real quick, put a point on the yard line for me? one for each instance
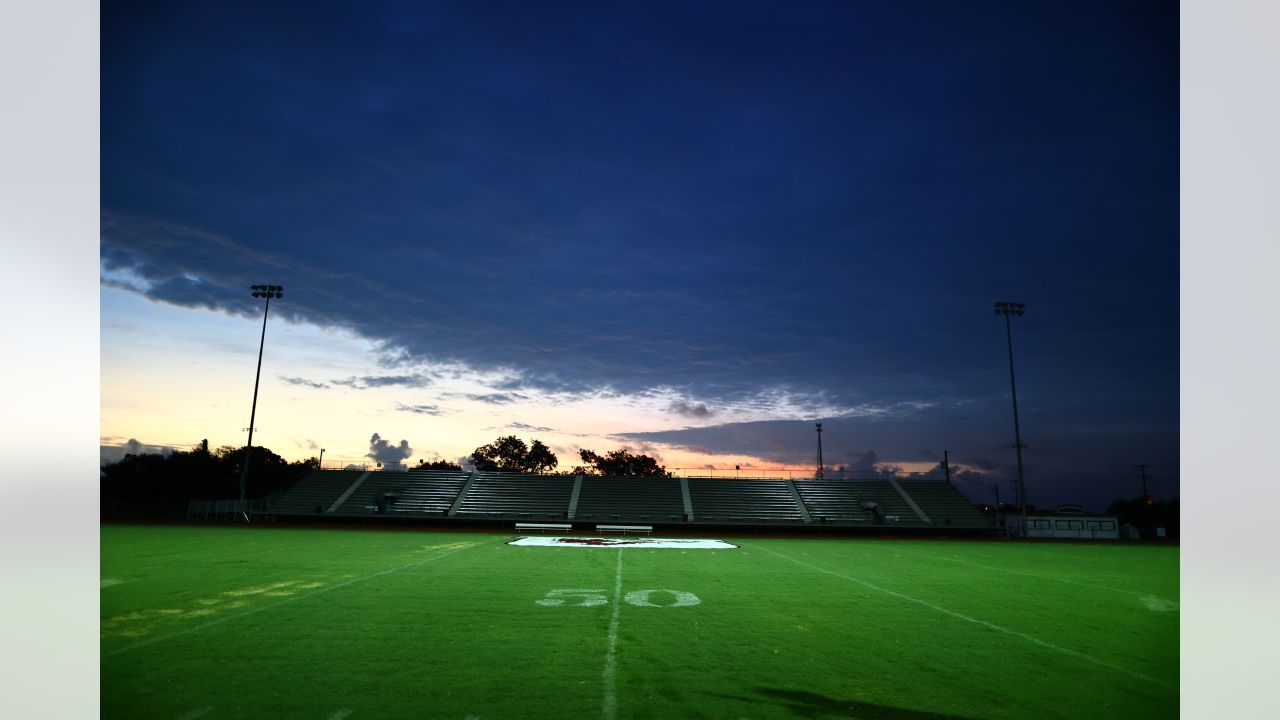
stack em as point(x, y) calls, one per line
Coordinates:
point(1041, 577)
point(611, 657)
point(976, 621)
point(339, 714)
point(197, 713)
point(260, 608)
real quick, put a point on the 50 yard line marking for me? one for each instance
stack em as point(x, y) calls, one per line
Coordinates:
point(211, 623)
point(610, 674)
point(976, 621)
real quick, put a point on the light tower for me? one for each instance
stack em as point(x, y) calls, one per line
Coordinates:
point(819, 473)
point(1142, 475)
point(268, 292)
point(1008, 309)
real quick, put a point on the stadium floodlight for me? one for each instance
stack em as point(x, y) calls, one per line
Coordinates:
point(819, 474)
point(266, 292)
point(1008, 309)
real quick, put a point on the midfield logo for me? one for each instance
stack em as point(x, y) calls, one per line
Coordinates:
point(649, 543)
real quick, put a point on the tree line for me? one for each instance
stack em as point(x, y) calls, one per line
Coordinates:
point(199, 474)
point(204, 474)
point(511, 454)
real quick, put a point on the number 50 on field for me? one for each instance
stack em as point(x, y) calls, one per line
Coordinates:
point(577, 597)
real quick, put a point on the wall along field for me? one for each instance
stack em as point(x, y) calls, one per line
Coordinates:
point(222, 622)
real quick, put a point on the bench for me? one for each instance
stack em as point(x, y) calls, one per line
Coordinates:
point(540, 527)
point(624, 529)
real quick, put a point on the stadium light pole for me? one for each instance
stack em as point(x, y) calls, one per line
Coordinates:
point(819, 474)
point(268, 292)
point(1008, 310)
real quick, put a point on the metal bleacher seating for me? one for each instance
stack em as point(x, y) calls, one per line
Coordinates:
point(742, 501)
point(314, 493)
point(892, 509)
point(832, 501)
point(606, 498)
point(418, 492)
point(944, 503)
point(514, 495)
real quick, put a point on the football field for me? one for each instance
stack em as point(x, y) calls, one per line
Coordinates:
point(225, 622)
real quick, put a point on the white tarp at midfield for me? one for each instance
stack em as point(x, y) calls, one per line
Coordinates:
point(623, 542)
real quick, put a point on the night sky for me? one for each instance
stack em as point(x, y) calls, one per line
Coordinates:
point(690, 228)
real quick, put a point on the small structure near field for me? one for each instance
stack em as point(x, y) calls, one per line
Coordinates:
point(1072, 526)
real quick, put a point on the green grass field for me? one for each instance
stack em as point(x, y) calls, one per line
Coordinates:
point(223, 622)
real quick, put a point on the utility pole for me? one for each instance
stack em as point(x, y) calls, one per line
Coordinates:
point(819, 473)
point(946, 466)
point(1008, 309)
point(320, 462)
point(1142, 475)
point(268, 292)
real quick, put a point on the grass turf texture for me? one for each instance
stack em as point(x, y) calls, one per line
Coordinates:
point(220, 622)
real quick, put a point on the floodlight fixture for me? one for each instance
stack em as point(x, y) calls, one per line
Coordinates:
point(266, 292)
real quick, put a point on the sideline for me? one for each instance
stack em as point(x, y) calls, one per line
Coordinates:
point(976, 621)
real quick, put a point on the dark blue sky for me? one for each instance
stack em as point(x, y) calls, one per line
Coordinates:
point(721, 199)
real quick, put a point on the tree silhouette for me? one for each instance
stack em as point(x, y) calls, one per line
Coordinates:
point(540, 458)
point(198, 474)
point(510, 454)
point(622, 463)
point(435, 465)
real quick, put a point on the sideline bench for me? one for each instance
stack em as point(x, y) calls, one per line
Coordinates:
point(624, 529)
point(542, 527)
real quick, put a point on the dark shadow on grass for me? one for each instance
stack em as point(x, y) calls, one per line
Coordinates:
point(813, 705)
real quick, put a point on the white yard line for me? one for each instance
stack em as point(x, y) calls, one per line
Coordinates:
point(1043, 577)
point(260, 608)
point(339, 714)
point(200, 712)
point(611, 657)
point(937, 608)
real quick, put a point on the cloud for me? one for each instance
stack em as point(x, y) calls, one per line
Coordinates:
point(680, 407)
point(303, 382)
point(864, 462)
point(384, 452)
point(113, 453)
point(420, 409)
point(378, 381)
point(529, 428)
point(490, 398)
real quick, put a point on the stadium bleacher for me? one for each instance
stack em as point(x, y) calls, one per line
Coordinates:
point(609, 498)
point(315, 493)
point(890, 507)
point(743, 501)
point(513, 495)
point(832, 501)
point(420, 492)
point(944, 504)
